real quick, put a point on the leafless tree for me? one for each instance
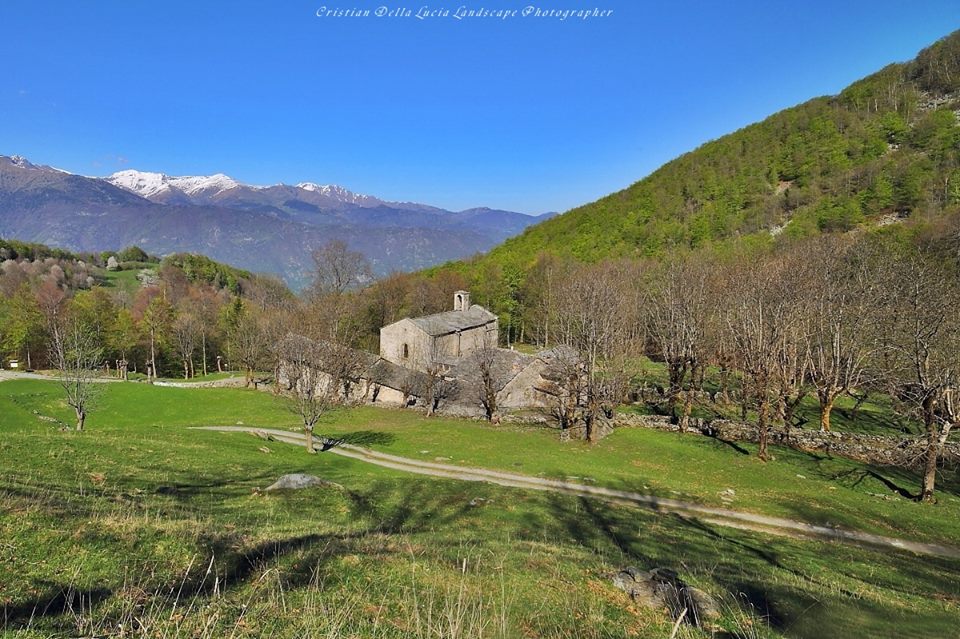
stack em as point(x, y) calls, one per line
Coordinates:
point(591, 321)
point(320, 377)
point(564, 380)
point(485, 356)
point(838, 320)
point(338, 269)
point(248, 342)
point(920, 339)
point(678, 317)
point(187, 331)
point(76, 354)
point(437, 388)
point(312, 392)
point(760, 323)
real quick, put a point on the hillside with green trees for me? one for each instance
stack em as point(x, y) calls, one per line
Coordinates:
point(885, 150)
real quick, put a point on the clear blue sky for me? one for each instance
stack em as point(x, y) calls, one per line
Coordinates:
point(525, 114)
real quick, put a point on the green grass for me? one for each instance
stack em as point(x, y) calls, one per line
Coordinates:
point(126, 279)
point(138, 505)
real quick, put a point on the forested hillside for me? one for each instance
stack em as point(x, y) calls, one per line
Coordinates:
point(885, 150)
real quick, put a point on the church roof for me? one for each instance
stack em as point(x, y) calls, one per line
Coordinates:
point(453, 321)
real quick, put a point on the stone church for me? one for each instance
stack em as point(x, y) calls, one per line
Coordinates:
point(415, 352)
point(436, 343)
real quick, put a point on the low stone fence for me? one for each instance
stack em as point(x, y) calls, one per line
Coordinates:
point(905, 452)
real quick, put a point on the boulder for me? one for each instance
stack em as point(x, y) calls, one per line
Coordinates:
point(662, 588)
point(299, 481)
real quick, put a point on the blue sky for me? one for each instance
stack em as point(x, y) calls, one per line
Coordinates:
point(528, 114)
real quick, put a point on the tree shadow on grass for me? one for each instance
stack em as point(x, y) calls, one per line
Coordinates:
point(57, 599)
point(228, 563)
point(732, 444)
point(364, 438)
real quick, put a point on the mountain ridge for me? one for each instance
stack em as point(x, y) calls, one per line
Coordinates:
point(270, 229)
point(888, 144)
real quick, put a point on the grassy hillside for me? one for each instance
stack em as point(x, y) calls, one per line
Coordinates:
point(886, 148)
point(142, 523)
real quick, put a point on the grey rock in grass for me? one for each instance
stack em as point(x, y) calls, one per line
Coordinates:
point(662, 588)
point(299, 481)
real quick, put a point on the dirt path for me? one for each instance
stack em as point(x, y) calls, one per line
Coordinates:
point(720, 516)
point(6, 375)
point(216, 383)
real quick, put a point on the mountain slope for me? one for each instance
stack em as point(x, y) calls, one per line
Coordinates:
point(266, 229)
point(886, 148)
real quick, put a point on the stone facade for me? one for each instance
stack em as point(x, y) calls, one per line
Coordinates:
point(441, 352)
point(442, 340)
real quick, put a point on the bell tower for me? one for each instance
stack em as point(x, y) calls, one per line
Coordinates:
point(461, 301)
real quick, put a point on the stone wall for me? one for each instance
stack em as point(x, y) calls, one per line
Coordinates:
point(419, 345)
point(905, 452)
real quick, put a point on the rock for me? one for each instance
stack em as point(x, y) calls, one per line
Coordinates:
point(299, 481)
point(112, 264)
point(662, 588)
point(706, 608)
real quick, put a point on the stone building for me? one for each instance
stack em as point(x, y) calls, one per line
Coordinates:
point(420, 355)
point(440, 341)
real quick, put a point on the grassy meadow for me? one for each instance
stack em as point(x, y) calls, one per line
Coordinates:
point(142, 527)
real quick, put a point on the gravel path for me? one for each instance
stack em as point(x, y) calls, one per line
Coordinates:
point(720, 516)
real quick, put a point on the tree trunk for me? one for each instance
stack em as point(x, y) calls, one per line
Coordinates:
point(826, 406)
point(186, 370)
point(308, 435)
point(203, 347)
point(153, 354)
point(763, 427)
point(933, 449)
point(248, 378)
point(930, 470)
point(81, 418)
point(687, 409)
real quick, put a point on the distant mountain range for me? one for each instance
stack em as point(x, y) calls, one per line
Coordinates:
point(270, 229)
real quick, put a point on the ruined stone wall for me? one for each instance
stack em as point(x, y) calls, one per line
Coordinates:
point(521, 391)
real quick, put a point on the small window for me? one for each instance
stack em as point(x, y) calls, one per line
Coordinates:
point(406, 351)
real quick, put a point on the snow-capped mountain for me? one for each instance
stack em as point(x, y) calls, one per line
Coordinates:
point(270, 229)
point(207, 189)
point(161, 187)
point(340, 194)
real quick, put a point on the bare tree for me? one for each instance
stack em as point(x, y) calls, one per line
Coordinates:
point(437, 388)
point(678, 318)
point(564, 379)
point(760, 322)
point(311, 392)
point(320, 377)
point(592, 321)
point(841, 303)
point(338, 269)
point(920, 337)
point(485, 356)
point(248, 342)
point(76, 353)
point(187, 331)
